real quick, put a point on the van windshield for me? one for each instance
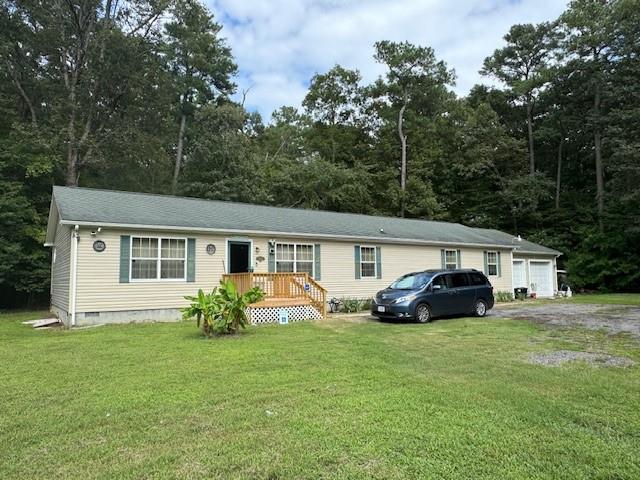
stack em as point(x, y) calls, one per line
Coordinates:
point(412, 281)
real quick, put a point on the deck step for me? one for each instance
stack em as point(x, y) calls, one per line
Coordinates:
point(281, 302)
point(45, 322)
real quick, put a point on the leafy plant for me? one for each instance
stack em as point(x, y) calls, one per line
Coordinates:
point(224, 310)
point(503, 297)
point(353, 305)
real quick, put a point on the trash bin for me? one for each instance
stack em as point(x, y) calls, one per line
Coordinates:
point(520, 292)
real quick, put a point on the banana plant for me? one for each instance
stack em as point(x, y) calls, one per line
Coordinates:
point(222, 311)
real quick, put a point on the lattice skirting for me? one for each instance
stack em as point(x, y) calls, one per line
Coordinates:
point(297, 313)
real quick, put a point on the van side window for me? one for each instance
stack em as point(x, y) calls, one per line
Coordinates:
point(477, 279)
point(459, 280)
point(442, 281)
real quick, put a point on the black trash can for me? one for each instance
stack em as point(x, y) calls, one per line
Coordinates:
point(522, 291)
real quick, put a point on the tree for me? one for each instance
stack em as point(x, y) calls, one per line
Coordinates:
point(522, 65)
point(588, 34)
point(413, 75)
point(335, 103)
point(201, 64)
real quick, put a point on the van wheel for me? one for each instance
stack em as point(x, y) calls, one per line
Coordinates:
point(423, 313)
point(480, 308)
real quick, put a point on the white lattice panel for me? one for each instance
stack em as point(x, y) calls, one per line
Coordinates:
point(298, 313)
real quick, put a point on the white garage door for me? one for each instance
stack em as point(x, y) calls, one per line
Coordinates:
point(540, 275)
point(519, 274)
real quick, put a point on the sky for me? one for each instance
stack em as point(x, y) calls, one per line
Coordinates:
point(280, 44)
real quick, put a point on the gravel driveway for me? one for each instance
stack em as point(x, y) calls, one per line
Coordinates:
point(612, 318)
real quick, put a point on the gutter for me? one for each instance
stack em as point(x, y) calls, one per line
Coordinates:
point(266, 233)
point(75, 236)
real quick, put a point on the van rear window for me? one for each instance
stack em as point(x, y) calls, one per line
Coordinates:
point(477, 279)
point(459, 280)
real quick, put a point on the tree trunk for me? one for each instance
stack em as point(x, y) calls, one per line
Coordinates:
point(532, 158)
point(176, 169)
point(23, 94)
point(72, 151)
point(559, 174)
point(597, 141)
point(403, 162)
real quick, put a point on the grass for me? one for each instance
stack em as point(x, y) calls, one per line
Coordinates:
point(334, 399)
point(583, 298)
point(607, 298)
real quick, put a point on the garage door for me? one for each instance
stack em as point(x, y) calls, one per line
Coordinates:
point(540, 275)
point(519, 275)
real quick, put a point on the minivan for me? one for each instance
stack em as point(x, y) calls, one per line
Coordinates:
point(434, 293)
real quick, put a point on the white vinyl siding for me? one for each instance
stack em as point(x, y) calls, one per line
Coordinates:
point(61, 268)
point(295, 257)
point(99, 288)
point(157, 258)
point(368, 262)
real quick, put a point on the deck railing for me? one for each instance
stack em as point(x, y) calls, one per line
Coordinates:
point(282, 285)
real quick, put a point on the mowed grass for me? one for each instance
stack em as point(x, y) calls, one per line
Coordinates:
point(333, 399)
point(607, 298)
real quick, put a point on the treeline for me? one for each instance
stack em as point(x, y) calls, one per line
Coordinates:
point(135, 95)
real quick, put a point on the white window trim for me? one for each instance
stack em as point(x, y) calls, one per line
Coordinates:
point(492, 263)
point(375, 263)
point(457, 262)
point(295, 257)
point(158, 259)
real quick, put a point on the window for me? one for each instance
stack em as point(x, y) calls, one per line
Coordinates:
point(158, 258)
point(411, 281)
point(458, 280)
point(440, 281)
point(450, 259)
point(295, 258)
point(477, 279)
point(367, 262)
point(492, 263)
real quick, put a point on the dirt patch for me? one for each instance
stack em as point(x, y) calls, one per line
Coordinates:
point(613, 319)
point(560, 357)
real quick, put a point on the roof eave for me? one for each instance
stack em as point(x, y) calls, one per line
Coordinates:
point(52, 221)
point(283, 234)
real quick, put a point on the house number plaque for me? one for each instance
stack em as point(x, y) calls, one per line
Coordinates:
point(211, 249)
point(99, 246)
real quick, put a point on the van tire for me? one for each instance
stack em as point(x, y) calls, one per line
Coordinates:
point(480, 308)
point(423, 313)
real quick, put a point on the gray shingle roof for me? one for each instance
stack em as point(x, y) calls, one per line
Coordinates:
point(100, 207)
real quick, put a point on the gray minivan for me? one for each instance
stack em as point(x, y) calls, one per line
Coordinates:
point(434, 293)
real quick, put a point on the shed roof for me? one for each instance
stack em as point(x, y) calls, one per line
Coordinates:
point(87, 206)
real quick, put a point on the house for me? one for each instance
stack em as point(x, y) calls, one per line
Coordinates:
point(121, 256)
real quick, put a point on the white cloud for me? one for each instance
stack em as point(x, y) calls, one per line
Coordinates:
point(280, 44)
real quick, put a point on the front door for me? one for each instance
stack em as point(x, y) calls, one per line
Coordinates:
point(519, 275)
point(239, 256)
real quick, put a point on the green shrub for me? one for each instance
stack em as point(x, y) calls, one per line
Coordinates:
point(502, 297)
point(223, 310)
point(353, 305)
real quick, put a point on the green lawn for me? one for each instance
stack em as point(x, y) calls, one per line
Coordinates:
point(607, 298)
point(335, 399)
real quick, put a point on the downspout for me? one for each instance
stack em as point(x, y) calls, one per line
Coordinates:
point(74, 272)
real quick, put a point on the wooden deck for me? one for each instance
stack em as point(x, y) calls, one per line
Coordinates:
point(283, 289)
point(281, 302)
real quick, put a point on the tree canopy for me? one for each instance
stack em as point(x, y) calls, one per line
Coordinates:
point(137, 95)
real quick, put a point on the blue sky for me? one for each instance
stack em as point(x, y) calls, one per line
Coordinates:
point(280, 44)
